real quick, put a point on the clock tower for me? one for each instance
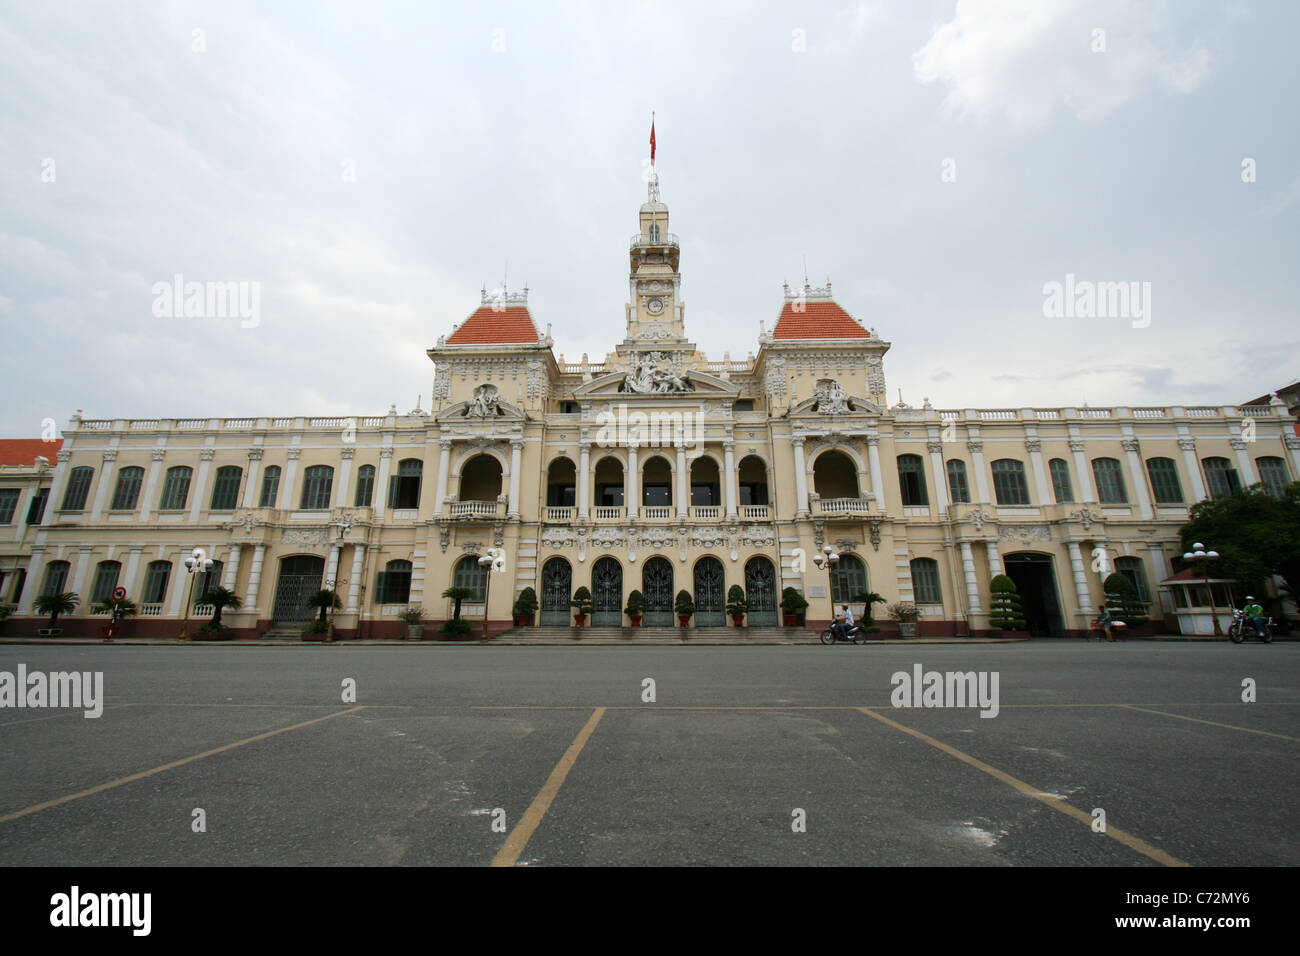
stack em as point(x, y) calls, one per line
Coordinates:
point(655, 310)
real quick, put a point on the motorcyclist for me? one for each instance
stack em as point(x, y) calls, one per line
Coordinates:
point(1254, 615)
point(1105, 623)
point(845, 623)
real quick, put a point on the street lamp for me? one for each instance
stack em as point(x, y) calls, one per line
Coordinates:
point(491, 561)
point(1198, 555)
point(196, 562)
point(829, 559)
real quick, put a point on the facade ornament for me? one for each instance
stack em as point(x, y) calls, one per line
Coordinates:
point(295, 454)
point(874, 529)
point(758, 536)
point(610, 537)
point(386, 452)
point(485, 403)
point(979, 516)
point(1130, 444)
point(65, 454)
point(1033, 445)
point(819, 534)
point(444, 537)
point(305, 536)
point(1026, 533)
point(1292, 442)
point(831, 398)
point(708, 537)
point(934, 447)
point(1187, 444)
point(347, 453)
point(254, 454)
point(976, 447)
point(110, 455)
point(1085, 516)
point(649, 376)
point(1076, 445)
point(206, 454)
point(558, 537)
point(498, 534)
point(1238, 444)
point(872, 440)
point(158, 454)
point(659, 538)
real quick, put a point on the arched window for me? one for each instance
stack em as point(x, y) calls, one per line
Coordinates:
point(1110, 481)
point(316, 484)
point(176, 488)
point(911, 481)
point(56, 578)
point(225, 490)
point(925, 581)
point(404, 487)
point(1061, 486)
point(835, 475)
point(1009, 482)
point(656, 481)
point(1221, 477)
point(958, 487)
point(208, 580)
point(480, 479)
point(608, 477)
point(654, 232)
point(470, 574)
point(74, 499)
point(270, 486)
point(705, 486)
point(106, 574)
point(394, 585)
point(752, 475)
point(156, 577)
point(848, 580)
point(561, 482)
point(1166, 487)
point(1273, 473)
point(365, 486)
point(127, 494)
point(1131, 568)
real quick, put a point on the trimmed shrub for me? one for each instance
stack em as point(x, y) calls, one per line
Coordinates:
point(1004, 605)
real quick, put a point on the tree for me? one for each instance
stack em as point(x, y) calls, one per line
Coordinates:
point(1256, 534)
point(221, 598)
point(459, 595)
point(1122, 600)
point(1004, 606)
point(868, 598)
point(325, 599)
point(56, 604)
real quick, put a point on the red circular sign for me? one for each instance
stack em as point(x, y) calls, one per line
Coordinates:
point(119, 593)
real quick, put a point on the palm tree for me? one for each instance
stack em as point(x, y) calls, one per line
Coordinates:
point(122, 608)
point(325, 599)
point(56, 604)
point(868, 598)
point(458, 595)
point(220, 598)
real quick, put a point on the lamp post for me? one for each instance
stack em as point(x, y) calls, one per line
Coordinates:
point(491, 561)
point(1198, 555)
point(829, 559)
point(197, 562)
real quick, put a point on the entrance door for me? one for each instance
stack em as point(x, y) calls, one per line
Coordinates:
point(607, 593)
point(557, 590)
point(760, 592)
point(301, 576)
point(710, 593)
point(657, 587)
point(1036, 581)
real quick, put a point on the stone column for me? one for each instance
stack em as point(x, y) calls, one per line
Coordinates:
point(1193, 466)
point(1132, 451)
point(877, 476)
point(199, 490)
point(289, 479)
point(973, 605)
point(516, 450)
point(632, 479)
point(1083, 596)
point(150, 493)
point(254, 469)
point(1082, 471)
point(995, 559)
point(444, 466)
point(181, 589)
point(58, 485)
point(32, 586)
point(1292, 443)
point(683, 483)
point(584, 478)
point(1244, 464)
point(976, 449)
point(940, 484)
point(345, 478)
point(381, 482)
point(255, 580)
point(129, 572)
point(230, 572)
point(730, 477)
point(1035, 448)
point(354, 586)
point(1159, 571)
point(332, 567)
point(800, 475)
point(105, 479)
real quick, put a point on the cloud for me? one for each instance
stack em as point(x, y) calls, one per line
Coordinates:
point(1026, 58)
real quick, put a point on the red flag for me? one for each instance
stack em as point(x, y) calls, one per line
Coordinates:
point(652, 142)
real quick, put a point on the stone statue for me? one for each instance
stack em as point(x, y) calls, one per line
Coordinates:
point(484, 403)
point(831, 397)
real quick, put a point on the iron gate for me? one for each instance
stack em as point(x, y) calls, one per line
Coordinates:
point(557, 589)
point(657, 586)
point(607, 593)
point(760, 592)
point(710, 593)
point(300, 578)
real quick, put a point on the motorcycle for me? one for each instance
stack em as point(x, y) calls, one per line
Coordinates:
point(1261, 627)
point(856, 635)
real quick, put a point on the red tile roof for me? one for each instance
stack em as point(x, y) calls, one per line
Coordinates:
point(818, 320)
point(24, 451)
point(511, 326)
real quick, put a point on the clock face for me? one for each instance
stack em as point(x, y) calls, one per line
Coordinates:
point(655, 306)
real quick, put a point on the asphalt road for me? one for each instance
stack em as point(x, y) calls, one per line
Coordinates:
point(714, 771)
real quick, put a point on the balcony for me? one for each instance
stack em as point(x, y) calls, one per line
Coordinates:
point(150, 610)
point(754, 512)
point(476, 509)
point(707, 512)
point(656, 512)
point(842, 507)
point(608, 512)
point(667, 239)
point(559, 513)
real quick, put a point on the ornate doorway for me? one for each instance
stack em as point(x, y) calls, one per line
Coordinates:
point(607, 593)
point(710, 593)
point(300, 578)
point(557, 589)
point(657, 586)
point(760, 592)
point(1036, 581)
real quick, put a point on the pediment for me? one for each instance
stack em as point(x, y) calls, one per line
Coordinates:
point(466, 413)
point(853, 406)
point(698, 385)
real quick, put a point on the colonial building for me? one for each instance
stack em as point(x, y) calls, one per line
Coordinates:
point(653, 469)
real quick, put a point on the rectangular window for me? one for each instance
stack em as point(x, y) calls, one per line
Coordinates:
point(1110, 481)
point(176, 488)
point(8, 504)
point(56, 577)
point(225, 490)
point(127, 494)
point(911, 481)
point(1272, 472)
point(155, 582)
point(36, 510)
point(1061, 486)
point(1009, 482)
point(1165, 485)
point(74, 499)
point(270, 487)
point(105, 580)
point(958, 487)
point(925, 581)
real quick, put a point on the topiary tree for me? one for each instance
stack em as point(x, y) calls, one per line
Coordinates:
point(581, 602)
point(1004, 605)
point(736, 603)
point(1122, 600)
point(635, 604)
point(526, 603)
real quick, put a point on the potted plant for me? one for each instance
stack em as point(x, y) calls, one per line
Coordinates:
point(582, 606)
point(1004, 604)
point(116, 611)
point(525, 607)
point(54, 605)
point(685, 607)
point(413, 617)
point(793, 605)
point(324, 600)
point(635, 609)
point(737, 606)
point(905, 613)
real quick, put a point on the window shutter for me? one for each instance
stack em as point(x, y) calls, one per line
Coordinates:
point(379, 587)
point(392, 491)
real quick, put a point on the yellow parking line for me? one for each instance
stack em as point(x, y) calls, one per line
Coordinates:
point(169, 766)
point(528, 823)
point(1056, 803)
point(1212, 723)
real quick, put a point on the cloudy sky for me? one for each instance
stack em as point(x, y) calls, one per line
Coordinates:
point(371, 165)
